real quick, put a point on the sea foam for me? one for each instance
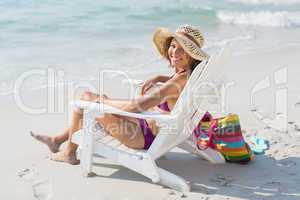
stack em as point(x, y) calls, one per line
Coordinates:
point(261, 18)
point(260, 2)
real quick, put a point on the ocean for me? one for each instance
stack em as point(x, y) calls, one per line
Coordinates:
point(81, 37)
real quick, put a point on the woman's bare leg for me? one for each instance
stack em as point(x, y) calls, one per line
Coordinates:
point(128, 132)
point(120, 103)
point(53, 143)
point(124, 129)
point(68, 155)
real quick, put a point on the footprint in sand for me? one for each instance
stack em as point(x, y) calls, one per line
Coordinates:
point(296, 127)
point(272, 183)
point(41, 187)
point(286, 163)
point(42, 190)
point(28, 174)
point(205, 189)
point(272, 187)
point(23, 172)
point(222, 180)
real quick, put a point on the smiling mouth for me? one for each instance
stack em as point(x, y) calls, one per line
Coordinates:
point(176, 59)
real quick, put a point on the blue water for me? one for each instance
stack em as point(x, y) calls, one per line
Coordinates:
point(87, 35)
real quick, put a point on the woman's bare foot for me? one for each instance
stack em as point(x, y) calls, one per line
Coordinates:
point(63, 156)
point(49, 141)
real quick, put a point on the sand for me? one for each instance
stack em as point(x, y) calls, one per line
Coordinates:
point(27, 173)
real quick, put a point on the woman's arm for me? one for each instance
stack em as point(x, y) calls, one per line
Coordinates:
point(148, 84)
point(163, 79)
point(170, 89)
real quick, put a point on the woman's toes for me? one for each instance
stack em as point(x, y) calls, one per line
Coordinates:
point(49, 141)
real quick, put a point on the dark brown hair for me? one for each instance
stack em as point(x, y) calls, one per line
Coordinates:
point(194, 64)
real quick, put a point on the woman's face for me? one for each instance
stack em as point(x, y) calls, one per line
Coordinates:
point(177, 56)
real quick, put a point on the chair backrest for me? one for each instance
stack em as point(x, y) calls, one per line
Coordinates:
point(204, 79)
point(187, 105)
point(194, 79)
point(208, 93)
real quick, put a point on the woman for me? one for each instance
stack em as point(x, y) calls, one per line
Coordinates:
point(183, 51)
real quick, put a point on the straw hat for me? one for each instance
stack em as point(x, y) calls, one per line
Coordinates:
point(189, 37)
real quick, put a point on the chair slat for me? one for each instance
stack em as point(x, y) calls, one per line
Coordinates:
point(106, 139)
point(123, 148)
point(114, 143)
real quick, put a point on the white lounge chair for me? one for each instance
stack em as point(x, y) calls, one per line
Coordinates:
point(175, 129)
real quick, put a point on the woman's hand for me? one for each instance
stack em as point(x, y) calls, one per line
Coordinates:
point(148, 85)
point(152, 82)
point(89, 96)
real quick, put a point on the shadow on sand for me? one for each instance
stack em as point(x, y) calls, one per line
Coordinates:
point(264, 178)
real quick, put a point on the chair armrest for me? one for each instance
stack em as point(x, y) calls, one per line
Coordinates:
point(101, 109)
point(134, 82)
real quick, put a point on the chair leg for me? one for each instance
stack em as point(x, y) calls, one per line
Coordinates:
point(85, 164)
point(86, 154)
point(209, 154)
point(173, 181)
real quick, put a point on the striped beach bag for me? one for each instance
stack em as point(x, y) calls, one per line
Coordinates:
point(224, 135)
